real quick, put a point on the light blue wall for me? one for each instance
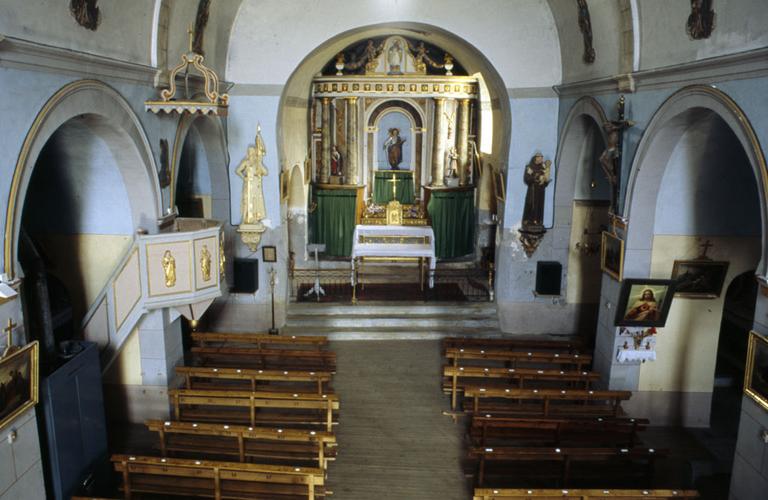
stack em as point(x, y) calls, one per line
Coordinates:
point(534, 128)
point(398, 120)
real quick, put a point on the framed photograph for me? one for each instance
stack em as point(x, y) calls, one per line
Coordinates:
point(269, 254)
point(18, 382)
point(612, 256)
point(756, 374)
point(644, 302)
point(699, 279)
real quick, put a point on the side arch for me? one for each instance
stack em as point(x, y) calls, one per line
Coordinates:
point(138, 169)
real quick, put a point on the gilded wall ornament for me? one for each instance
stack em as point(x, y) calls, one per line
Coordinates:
point(585, 25)
point(701, 21)
point(169, 268)
point(205, 263)
point(86, 13)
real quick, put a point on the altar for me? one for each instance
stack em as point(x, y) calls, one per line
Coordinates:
point(393, 243)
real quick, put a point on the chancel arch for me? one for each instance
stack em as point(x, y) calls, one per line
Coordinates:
point(696, 198)
point(582, 197)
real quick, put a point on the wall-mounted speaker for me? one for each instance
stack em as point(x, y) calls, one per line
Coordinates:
point(549, 277)
point(246, 276)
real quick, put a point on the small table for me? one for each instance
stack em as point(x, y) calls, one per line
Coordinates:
point(394, 242)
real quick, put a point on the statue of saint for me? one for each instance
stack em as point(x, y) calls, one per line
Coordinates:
point(205, 263)
point(451, 164)
point(169, 269)
point(394, 147)
point(336, 161)
point(251, 170)
point(395, 58)
point(537, 178)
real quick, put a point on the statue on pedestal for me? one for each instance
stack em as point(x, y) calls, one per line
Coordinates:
point(537, 177)
point(252, 207)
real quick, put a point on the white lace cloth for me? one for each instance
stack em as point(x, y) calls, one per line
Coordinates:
point(627, 355)
point(395, 249)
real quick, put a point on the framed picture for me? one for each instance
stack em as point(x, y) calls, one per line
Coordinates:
point(18, 382)
point(269, 254)
point(756, 374)
point(644, 302)
point(612, 256)
point(699, 279)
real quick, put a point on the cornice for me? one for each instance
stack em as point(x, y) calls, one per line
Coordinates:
point(740, 66)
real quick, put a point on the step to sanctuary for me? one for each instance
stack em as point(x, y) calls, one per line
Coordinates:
point(392, 320)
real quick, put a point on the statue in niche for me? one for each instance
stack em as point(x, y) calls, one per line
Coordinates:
point(537, 178)
point(451, 165)
point(337, 162)
point(585, 25)
point(394, 147)
point(205, 263)
point(169, 269)
point(86, 13)
point(701, 22)
point(201, 21)
point(395, 58)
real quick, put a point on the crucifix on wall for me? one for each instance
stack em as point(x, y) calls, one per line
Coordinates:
point(610, 160)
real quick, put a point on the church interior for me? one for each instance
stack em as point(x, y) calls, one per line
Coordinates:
point(384, 249)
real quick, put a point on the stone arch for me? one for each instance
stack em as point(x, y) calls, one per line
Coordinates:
point(121, 128)
point(664, 131)
point(210, 130)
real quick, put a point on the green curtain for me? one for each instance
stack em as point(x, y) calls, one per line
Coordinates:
point(334, 222)
point(453, 221)
point(382, 186)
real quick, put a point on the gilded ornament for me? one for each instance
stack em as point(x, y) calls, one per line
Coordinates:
point(205, 263)
point(169, 269)
point(252, 207)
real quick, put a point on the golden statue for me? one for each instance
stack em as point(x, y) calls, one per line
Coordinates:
point(169, 268)
point(222, 257)
point(252, 207)
point(205, 263)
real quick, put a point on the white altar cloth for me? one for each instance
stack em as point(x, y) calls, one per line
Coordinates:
point(424, 250)
point(628, 355)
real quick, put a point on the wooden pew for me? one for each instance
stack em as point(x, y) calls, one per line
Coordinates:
point(455, 374)
point(511, 359)
point(258, 340)
point(255, 408)
point(630, 463)
point(204, 478)
point(547, 402)
point(253, 444)
point(276, 359)
point(200, 377)
point(601, 432)
point(571, 345)
point(580, 494)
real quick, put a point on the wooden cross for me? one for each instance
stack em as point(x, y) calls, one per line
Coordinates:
point(393, 180)
point(705, 248)
point(9, 348)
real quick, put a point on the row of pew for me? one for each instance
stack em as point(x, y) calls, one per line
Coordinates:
point(254, 418)
point(539, 428)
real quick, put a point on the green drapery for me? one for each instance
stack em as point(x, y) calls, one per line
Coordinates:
point(382, 186)
point(334, 220)
point(453, 221)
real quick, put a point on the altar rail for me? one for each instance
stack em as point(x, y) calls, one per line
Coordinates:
point(475, 284)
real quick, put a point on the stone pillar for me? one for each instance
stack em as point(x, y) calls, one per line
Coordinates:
point(462, 141)
point(351, 174)
point(438, 144)
point(325, 160)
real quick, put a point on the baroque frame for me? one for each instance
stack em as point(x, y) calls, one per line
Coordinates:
point(757, 345)
point(27, 359)
point(617, 274)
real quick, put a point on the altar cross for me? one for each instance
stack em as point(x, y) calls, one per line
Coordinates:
point(393, 180)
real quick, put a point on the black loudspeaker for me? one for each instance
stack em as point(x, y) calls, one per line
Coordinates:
point(246, 275)
point(549, 276)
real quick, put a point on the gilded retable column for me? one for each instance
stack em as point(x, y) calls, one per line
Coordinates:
point(352, 175)
point(438, 144)
point(325, 163)
point(462, 139)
